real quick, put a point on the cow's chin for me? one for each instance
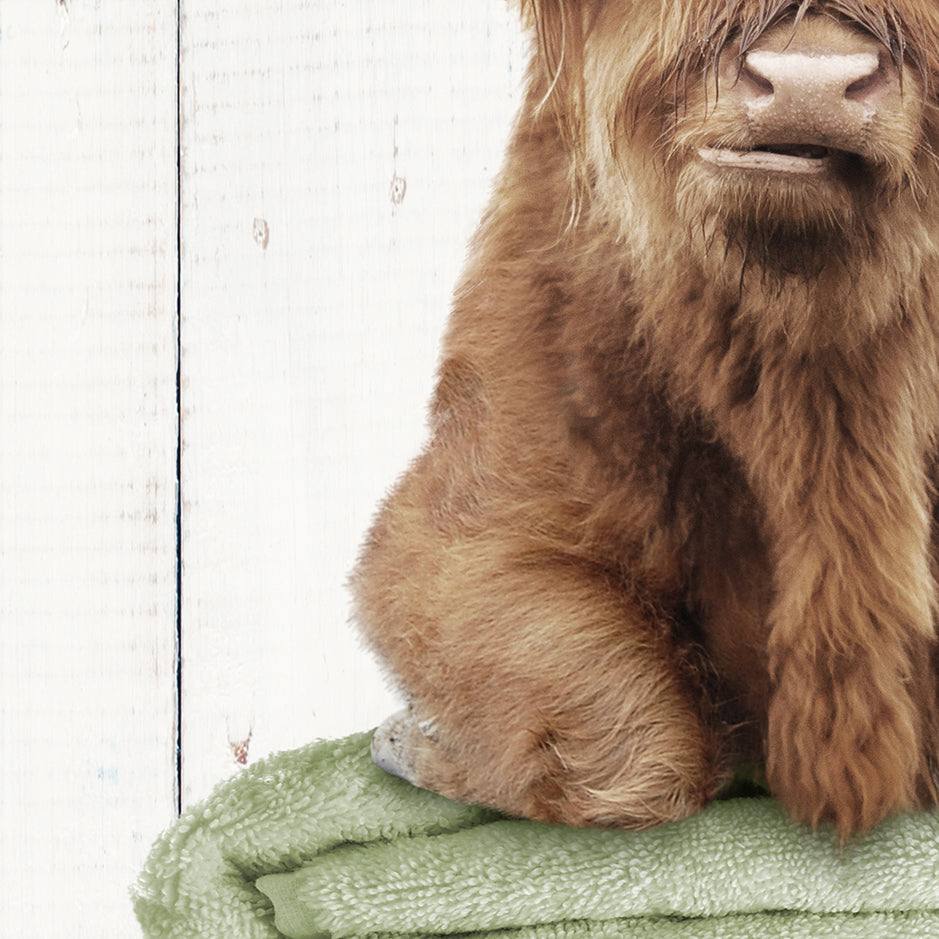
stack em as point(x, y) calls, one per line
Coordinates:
point(791, 213)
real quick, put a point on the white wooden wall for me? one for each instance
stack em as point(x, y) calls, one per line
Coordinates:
point(333, 160)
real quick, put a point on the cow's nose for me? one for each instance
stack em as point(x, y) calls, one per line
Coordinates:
point(823, 83)
point(820, 82)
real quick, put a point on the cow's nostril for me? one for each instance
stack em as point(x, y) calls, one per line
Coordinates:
point(753, 82)
point(866, 86)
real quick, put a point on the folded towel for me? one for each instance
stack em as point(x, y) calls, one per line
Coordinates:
point(317, 842)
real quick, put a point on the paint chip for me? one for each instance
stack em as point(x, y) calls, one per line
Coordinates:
point(261, 232)
point(399, 186)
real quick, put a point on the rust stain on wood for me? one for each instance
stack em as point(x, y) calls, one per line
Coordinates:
point(239, 749)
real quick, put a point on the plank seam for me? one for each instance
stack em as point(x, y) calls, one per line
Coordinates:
point(179, 423)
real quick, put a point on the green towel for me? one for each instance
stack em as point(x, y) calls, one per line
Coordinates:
point(317, 842)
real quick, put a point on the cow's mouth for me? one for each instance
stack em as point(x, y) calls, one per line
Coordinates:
point(799, 158)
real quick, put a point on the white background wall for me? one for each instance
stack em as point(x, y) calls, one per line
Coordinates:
point(310, 306)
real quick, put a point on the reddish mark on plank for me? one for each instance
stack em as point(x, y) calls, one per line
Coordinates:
point(239, 749)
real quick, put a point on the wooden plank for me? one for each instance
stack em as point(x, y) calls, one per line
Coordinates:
point(335, 161)
point(87, 461)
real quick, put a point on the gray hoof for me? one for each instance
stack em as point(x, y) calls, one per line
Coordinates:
point(393, 746)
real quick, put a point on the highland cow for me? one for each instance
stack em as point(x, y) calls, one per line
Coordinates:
point(678, 510)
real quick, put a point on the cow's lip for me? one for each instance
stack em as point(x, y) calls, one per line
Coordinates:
point(798, 158)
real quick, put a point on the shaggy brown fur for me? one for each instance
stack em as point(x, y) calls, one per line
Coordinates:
point(678, 509)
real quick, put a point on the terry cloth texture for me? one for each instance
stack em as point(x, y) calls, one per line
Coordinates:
point(317, 842)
